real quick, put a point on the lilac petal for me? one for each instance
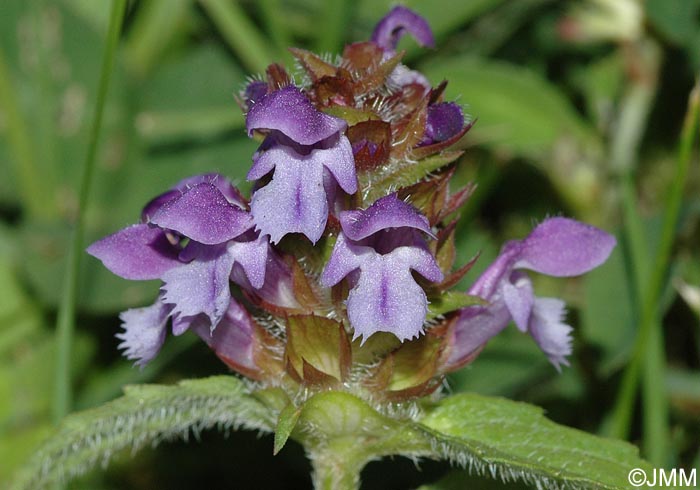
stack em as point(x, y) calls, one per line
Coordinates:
point(549, 331)
point(345, 258)
point(340, 161)
point(144, 331)
point(399, 22)
point(386, 299)
point(290, 112)
point(295, 200)
point(420, 260)
point(138, 252)
point(519, 298)
point(234, 339)
point(445, 120)
point(564, 247)
point(203, 214)
point(387, 212)
point(475, 326)
point(263, 164)
point(252, 257)
point(202, 286)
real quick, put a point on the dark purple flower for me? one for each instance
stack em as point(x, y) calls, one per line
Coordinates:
point(195, 236)
point(397, 23)
point(445, 120)
point(377, 249)
point(303, 146)
point(558, 247)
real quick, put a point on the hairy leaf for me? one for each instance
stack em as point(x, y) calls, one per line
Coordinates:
point(146, 414)
point(514, 441)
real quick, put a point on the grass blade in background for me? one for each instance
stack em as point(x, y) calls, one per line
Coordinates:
point(65, 324)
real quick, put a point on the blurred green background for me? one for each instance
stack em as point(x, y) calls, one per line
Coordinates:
point(580, 108)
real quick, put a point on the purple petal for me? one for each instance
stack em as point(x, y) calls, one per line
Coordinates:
point(156, 203)
point(252, 257)
point(397, 23)
point(345, 258)
point(290, 112)
point(549, 331)
point(202, 286)
point(144, 331)
point(233, 340)
point(203, 214)
point(386, 299)
point(254, 91)
point(519, 298)
point(564, 247)
point(444, 121)
point(387, 212)
point(475, 326)
point(295, 200)
point(278, 288)
point(340, 161)
point(138, 252)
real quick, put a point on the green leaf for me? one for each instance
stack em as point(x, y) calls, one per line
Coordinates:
point(512, 440)
point(285, 425)
point(146, 414)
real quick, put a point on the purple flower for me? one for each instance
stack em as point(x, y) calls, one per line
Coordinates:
point(309, 154)
point(377, 250)
point(558, 247)
point(194, 238)
point(397, 23)
point(445, 120)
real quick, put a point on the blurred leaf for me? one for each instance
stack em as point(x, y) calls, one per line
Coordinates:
point(145, 414)
point(510, 362)
point(516, 108)
point(677, 20)
point(608, 320)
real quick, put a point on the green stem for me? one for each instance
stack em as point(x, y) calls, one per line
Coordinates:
point(241, 34)
point(336, 466)
point(65, 324)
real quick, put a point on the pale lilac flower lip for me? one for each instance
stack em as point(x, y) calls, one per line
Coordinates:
point(377, 250)
point(558, 247)
point(206, 212)
point(398, 22)
point(302, 148)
